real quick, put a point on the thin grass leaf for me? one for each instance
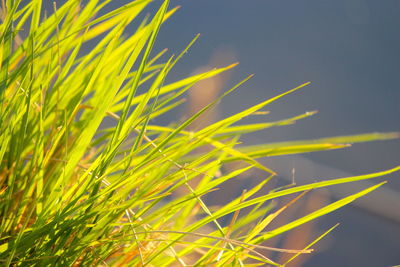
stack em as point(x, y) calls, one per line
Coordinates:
point(313, 243)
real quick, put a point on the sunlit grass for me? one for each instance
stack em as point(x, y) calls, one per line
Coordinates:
point(74, 191)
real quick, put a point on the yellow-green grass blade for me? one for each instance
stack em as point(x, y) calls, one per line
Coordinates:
point(206, 138)
point(312, 243)
point(316, 214)
point(268, 219)
point(37, 8)
point(153, 92)
point(18, 141)
point(117, 11)
point(154, 89)
point(248, 128)
point(173, 86)
point(286, 150)
point(154, 30)
point(210, 180)
point(126, 68)
point(46, 28)
point(245, 196)
point(87, 133)
point(113, 18)
point(236, 205)
point(293, 147)
point(156, 84)
point(232, 119)
point(186, 123)
point(124, 125)
point(244, 221)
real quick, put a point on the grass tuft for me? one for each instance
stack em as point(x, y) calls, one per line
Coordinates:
point(76, 191)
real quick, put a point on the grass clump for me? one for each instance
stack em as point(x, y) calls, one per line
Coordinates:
point(76, 193)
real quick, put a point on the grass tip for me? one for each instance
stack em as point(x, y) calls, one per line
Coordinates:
point(387, 135)
point(312, 112)
point(396, 135)
point(232, 65)
point(342, 145)
point(261, 112)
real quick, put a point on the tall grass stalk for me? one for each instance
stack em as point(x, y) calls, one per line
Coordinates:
point(76, 192)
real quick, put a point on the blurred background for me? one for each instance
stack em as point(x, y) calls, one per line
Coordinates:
point(350, 51)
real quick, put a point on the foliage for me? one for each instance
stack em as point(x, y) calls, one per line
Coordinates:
point(76, 192)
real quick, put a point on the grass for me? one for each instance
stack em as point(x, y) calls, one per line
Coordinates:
point(76, 192)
